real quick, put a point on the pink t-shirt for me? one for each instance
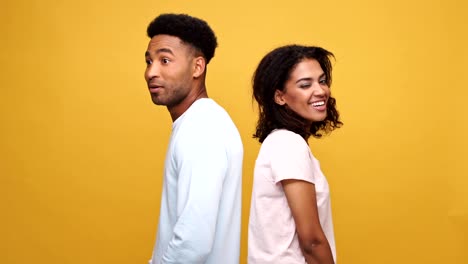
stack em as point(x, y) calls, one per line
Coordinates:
point(272, 231)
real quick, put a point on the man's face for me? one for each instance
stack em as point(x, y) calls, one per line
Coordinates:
point(169, 70)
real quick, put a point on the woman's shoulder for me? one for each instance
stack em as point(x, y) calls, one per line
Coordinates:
point(284, 139)
point(284, 135)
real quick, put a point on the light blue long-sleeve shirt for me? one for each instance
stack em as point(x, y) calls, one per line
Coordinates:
point(200, 215)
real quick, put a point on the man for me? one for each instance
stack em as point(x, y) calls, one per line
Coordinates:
point(201, 199)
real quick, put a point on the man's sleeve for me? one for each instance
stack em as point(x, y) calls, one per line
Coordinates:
point(202, 166)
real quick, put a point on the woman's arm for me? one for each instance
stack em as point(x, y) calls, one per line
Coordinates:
point(301, 198)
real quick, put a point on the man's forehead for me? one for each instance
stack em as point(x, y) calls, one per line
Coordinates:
point(168, 42)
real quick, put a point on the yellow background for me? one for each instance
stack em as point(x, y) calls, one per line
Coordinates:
point(82, 146)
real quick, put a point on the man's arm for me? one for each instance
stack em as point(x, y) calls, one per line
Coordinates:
point(202, 168)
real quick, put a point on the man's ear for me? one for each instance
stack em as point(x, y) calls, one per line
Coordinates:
point(200, 67)
point(279, 98)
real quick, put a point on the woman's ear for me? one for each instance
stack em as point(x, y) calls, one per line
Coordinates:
point(279, 99)
point(200, 66)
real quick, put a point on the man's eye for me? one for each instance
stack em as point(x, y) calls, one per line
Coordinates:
point(148, 62)
point(165, 60)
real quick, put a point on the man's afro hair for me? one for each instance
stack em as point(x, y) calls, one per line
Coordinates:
point(189, 29)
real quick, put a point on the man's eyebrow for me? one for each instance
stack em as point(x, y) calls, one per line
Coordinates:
point(161, 50)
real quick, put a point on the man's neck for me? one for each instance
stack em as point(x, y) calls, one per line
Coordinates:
point(178, 110)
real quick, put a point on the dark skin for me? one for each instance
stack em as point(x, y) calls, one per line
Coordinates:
point(305, 87)
point(301, 198)
point(175, 74)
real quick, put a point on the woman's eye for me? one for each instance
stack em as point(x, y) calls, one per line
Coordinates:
point(148, 62)
point(323, 81)
point(165, 60)
point(304, 85)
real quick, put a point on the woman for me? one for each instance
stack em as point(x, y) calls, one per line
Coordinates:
point(290, 215)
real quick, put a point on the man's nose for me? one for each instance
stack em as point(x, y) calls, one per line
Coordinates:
point(152, 71)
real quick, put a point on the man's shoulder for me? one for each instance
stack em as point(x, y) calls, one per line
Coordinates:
point(206, 116)
point(209, 108)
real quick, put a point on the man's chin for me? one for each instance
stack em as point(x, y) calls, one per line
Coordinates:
point(157, 101)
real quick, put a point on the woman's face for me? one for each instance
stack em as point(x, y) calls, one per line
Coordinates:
point(306, 91)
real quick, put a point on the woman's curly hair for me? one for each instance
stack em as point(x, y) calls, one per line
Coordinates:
point(271, 75)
